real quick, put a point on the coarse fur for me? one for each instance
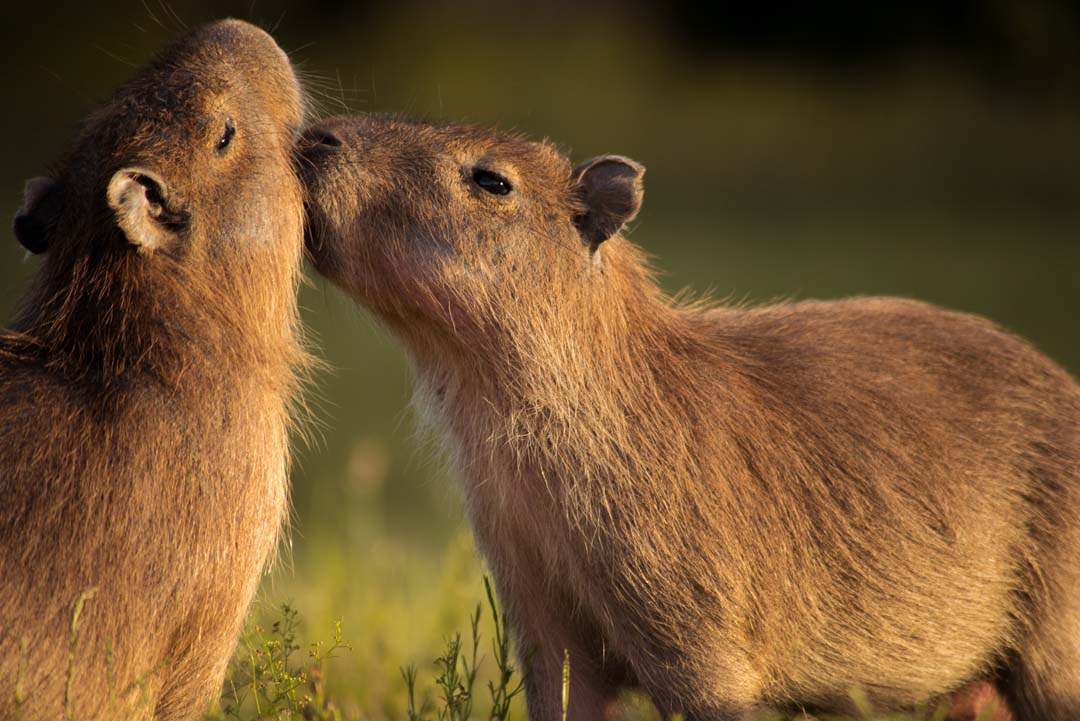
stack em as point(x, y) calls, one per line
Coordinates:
point(735, 509)
point(146, 383)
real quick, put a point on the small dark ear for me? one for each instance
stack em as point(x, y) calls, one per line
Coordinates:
point(610, 190)
point(139, 197)
point(32, 220)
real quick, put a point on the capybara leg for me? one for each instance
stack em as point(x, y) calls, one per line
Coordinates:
point(1040, 695)
point(704, 701)
point(589, 697)
point(1044, 680)
point(586, 701)
point(1045, 688)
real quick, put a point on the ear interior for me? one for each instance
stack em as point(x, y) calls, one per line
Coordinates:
point(32, 221)
point(139, 198)
point(611, 192)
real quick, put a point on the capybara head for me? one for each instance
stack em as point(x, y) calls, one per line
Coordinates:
point(183, 183)
point(461, 228)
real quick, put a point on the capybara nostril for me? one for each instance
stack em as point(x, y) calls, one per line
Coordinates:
point(321, 136)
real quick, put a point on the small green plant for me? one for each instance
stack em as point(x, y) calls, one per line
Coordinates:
point(565, 683)
point(73, 645)
point(270, 680)
point(503, 689)
point(457, 670)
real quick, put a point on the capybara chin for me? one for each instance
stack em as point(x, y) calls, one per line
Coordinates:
point(145, 386)
point(734, 509)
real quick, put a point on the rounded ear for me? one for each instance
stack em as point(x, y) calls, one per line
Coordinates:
point(139, 198)
point(32, 221)
point(610, 190)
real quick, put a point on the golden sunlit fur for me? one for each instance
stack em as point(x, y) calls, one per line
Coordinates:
point(732, 508)
point(145, 387)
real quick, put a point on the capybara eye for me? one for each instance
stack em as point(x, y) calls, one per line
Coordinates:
point(226, 136)
point(491, 182)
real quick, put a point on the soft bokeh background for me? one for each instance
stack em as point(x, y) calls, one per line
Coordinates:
point(926, 149)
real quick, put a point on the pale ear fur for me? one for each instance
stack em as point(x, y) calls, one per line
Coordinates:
point(139, 198)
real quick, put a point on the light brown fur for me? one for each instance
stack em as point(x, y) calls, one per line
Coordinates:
point(145, 386)
point(732, 508)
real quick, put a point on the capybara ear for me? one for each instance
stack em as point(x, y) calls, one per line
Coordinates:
point(32, 221)
point(140, 199)
point(610, 190)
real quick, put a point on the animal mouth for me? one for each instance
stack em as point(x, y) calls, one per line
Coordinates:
point(311, 245)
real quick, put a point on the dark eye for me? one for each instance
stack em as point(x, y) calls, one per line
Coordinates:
point(491, 182)
point(226, 135)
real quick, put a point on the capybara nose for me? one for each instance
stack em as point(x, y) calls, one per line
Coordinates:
point(322, 136)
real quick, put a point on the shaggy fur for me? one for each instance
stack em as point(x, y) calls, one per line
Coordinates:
point(145, 387)
point(733, 508)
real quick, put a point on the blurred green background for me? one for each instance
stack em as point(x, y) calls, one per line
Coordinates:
point(925, 149)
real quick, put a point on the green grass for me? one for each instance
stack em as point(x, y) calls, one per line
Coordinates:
point(275, 676)
point(272, 677)
point(406, 606)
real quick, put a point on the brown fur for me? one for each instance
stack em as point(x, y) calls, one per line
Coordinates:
point(732, 508)
point(145, 385)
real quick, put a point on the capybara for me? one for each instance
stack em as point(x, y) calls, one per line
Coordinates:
point(146, 386)
point(736, 509)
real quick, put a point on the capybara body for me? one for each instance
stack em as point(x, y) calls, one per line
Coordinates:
point(145, 387)
point(735, 509)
